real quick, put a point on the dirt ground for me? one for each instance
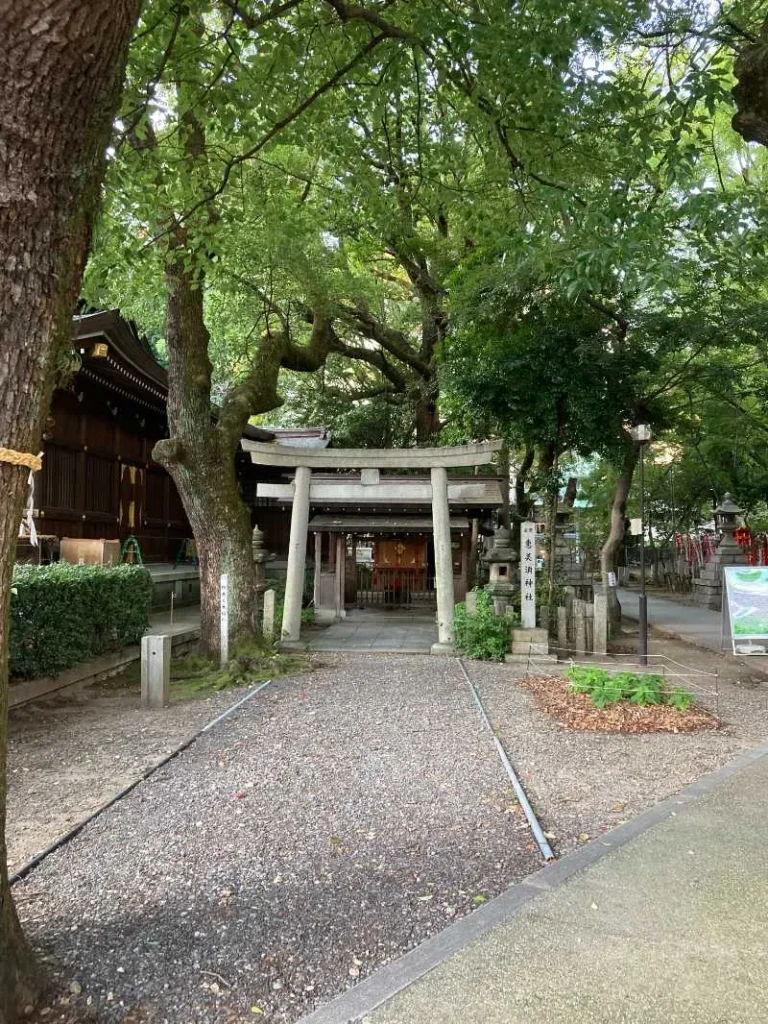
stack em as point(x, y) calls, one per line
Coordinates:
point(69, 754)
point(335, 822)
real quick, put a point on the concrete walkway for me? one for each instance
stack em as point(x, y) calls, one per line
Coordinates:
point(373, 630)
point(686, 622)
point(661, 922)
point(693, 625)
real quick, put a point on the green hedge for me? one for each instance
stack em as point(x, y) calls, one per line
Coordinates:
point(62, 615)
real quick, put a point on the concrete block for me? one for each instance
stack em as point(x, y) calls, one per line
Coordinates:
point(268, 619)
point(525, 647)
point(536, 636)
point(155, 670)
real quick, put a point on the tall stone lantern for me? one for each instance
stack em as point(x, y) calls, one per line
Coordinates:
point(501, 561)
point(708, 588)
point(260, 557)
point(726, 515)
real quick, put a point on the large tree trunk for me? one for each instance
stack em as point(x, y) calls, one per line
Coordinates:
point(751, 90)
point(200, 457)
point(200, 454)
point(61, 65)
point(427, 415)
point(610, 550)
point(434, 324)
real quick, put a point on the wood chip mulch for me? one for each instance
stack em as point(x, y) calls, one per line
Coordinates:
point(576, 711)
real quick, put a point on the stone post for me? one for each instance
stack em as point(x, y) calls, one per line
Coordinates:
point(601, 623)
point(268, 623)
point(441, 528)
point(297, 555)
point(579, 612)
point(155, 670)
point(562, 627)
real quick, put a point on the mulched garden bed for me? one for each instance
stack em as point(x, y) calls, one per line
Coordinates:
point(576, 711)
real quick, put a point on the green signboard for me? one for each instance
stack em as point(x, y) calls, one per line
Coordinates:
point(746, 596)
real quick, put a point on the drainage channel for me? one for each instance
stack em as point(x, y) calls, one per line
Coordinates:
point(57, 844)
point(533, 821)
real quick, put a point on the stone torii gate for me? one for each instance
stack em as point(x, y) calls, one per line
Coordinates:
point(436, 460)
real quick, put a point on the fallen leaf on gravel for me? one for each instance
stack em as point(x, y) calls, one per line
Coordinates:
point(256, 1009)
point(479, 899)
point(583, 837)
point(618, 807)
point(424, 899)
point(75, 988)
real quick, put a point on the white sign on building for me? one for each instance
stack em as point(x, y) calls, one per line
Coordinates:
point(528, 574)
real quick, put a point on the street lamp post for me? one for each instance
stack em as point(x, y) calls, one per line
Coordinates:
point(641, 434)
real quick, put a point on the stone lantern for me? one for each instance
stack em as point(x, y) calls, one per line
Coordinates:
point(501, 561)
point(708, 588)
point(260, 556)
point(725, 518)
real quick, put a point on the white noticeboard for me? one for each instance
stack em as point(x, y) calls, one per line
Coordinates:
point(745, 601)
point(224, 609)
point(528, 574)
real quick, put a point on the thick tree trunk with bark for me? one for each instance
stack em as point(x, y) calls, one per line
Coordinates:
point(200, 457)
point(610, 550)
point(61, 65)
point(751, 90)
point(200, 453)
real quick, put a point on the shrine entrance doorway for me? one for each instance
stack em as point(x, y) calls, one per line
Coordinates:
point(395, 572)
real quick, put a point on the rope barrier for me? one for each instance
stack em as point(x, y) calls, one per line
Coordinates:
point(13, 458)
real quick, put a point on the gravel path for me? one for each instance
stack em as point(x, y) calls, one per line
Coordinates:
point(68, 755)
point(584, 783)
point(330, 825)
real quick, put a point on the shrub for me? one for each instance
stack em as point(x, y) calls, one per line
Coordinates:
point(483, 635)
point(62, 615)
point(604, 688)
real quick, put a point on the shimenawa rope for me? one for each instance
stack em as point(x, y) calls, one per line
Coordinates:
point(33, 462)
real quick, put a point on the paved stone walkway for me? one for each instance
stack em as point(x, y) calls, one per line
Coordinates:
point(686, 622)
point(398, 631)
point(689, 623)
point(669, 928)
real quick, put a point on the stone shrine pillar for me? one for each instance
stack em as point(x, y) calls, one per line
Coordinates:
point(297, 555)
point(441, 528)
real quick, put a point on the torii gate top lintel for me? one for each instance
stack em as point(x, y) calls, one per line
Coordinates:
point(290, 456)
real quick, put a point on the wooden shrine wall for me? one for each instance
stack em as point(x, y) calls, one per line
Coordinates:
point(98, 479)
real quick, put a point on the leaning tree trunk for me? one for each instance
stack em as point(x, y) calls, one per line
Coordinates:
point(200, 454)
point(610, 550)
point(200, 457)
point(61, 65)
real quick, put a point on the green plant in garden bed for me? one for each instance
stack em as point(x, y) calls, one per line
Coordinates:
point(605, 688)
point(63, 615)
point(484, 634)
